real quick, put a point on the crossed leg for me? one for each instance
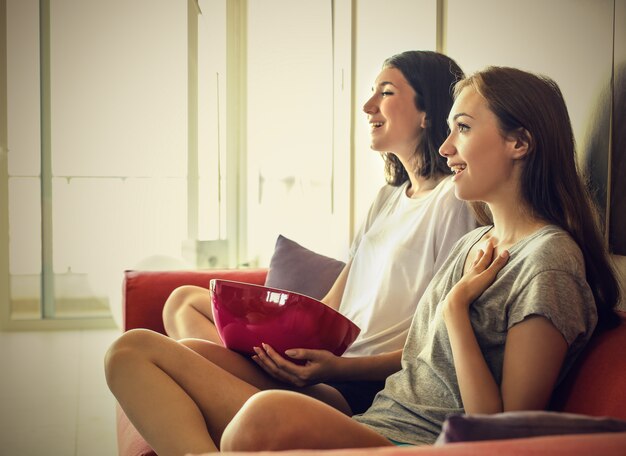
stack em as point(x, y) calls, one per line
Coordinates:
point(285, 420)
point(248, 371)
point(188, 313)
point(177, 399)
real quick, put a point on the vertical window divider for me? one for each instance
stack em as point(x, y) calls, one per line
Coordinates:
point(47, 273)
point(236, 131)
point(193, 10)
point(5, 312)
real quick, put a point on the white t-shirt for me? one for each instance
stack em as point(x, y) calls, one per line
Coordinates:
point(397, 251)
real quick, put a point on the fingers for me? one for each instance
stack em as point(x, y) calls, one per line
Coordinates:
point(273, 359)
point(484, 258)
point(283, 363)
point(272, 371)
point(479, 256)
point(277, 366)
point(499, 261)
point(489, 274)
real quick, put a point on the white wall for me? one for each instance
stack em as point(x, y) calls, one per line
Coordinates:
point(569, 40)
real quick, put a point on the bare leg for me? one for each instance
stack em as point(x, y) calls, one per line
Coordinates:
point(284, 420)
point(188, 313)
point(179, 402)
point(248, 371)
point(188, 317)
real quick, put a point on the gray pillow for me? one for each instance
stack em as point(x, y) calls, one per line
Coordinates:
point(296, 268)
point(515, 425)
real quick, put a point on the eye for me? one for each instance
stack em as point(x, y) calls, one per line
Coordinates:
point(462, 127)
point(386, 93)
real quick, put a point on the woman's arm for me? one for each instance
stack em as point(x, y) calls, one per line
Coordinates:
point(479, 391)
point(323, 366)
point(533, 357)
point(533, 354)
point(334, 295)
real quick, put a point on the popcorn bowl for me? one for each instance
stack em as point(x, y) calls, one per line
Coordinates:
point(248, 315)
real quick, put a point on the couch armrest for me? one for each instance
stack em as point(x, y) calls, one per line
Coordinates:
point(145, 292)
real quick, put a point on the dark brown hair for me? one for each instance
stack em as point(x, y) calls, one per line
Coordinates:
point(432, 75)
point(533, 105)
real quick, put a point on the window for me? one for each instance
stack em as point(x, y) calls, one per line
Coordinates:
point(104, 186)
point(121, 150)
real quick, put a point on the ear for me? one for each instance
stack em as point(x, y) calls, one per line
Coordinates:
point(521, 142)
point(424, 121)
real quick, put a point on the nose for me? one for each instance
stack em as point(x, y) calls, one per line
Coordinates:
point(447, 148)
point(370, 106)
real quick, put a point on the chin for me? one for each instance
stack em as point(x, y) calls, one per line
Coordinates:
point(459, 193)
point(463, 194)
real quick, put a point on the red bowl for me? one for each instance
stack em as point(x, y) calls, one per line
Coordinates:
point(247, 315)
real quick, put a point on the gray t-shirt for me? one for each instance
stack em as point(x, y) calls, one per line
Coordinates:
point(545, 275)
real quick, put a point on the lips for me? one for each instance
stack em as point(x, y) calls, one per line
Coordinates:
point(457, 169)
point(375, 125)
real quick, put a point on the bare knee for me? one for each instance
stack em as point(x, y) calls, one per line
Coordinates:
point(123, 351)
point(265, 422)
point(186, 299)
point(178, 299)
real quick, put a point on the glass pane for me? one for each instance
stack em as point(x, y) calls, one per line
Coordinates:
point(23, 139)
point(290, 118)
point(212, 144)
point(119, 146)
point(119, 88)
point(102, 227)
point(23, 87)
point(25, 247)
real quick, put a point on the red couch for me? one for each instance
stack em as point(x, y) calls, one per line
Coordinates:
point(596, 386)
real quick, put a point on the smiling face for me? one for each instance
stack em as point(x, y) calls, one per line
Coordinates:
point(486, 164)
point(395, 122)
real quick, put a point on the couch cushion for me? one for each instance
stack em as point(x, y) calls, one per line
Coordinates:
point(596, 385)
point(129, 441)
point(296, 268)
point(515, 425)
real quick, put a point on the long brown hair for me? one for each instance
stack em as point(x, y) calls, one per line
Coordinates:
point(551, 182)
point(432, 75)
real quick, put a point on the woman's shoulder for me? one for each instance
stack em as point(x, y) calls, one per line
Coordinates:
point(552, 248)
point(387, 190)
point(387, 195)
point(551, 239)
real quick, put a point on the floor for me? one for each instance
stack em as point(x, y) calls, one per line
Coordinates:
point(53, 397)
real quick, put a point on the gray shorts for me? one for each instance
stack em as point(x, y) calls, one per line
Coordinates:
point(359, 394)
